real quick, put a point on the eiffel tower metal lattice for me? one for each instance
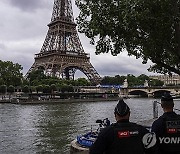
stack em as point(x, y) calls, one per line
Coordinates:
point(62, 53)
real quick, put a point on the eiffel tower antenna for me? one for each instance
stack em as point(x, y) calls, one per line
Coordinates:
point(62, 53)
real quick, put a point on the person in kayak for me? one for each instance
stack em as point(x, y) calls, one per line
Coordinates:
point(122, 137)
point(167, 128)
point(106, 122)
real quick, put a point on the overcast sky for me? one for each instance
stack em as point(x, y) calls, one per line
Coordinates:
point(23, 27)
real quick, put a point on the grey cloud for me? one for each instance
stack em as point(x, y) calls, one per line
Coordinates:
point(120, 65)
point(19, 25)
point(27, 5)
point(2, 46)
point(24, 57)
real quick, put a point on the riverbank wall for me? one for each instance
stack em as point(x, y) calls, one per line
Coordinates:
point(51, 101)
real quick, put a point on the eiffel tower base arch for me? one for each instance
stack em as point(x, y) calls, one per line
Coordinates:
point(63, 66)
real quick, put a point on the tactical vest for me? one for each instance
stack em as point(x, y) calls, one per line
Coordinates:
point(127, 139)
point(169, 141)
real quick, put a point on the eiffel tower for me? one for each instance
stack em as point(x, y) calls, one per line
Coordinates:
point(62, 53)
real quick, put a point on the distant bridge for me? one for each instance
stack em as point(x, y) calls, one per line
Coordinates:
point(150, 91)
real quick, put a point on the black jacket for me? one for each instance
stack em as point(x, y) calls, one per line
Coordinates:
point(163, 137)
point(122, 137)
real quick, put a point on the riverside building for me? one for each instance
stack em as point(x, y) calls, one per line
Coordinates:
point(168, 80)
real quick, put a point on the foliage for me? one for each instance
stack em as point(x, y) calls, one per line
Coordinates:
point(3, 89)
point(66, 88)
point(25, 89)
point(46, 89)
point(155, 82)
point(11, 89)
point(132, 80)
point(146, 29)
point(39, 88)
point(82, 82)
point(117, 80)
point(10, 73)
point(36, 75)
point(53, 88)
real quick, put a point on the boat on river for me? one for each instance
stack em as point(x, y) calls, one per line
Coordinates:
point(82, 143)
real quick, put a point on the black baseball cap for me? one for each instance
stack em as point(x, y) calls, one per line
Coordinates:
point(121, 108)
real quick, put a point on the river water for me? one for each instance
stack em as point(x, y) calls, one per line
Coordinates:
point(49, 128)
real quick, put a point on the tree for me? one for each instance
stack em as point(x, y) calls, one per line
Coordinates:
point(117, 80)
point(25, 89)
point(10, 73)
point(143, 77)
point(39, 88)
point(46, 89)
point(3, 90)
point(146, 29)
point(155, 82)
point(10, 90)
point(36, 75)
point(82, 82)
point(66, 88)
point(53, 88)
point(132, 80)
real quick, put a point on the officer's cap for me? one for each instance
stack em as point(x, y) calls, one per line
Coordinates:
point(121, 108)
point(167, 100)
point(166, 97)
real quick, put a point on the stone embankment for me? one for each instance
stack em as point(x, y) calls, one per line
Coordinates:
point(51, 101)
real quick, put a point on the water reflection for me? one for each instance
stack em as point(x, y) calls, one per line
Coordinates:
point(49, 128)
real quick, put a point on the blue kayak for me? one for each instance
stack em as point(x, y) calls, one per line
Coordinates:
point(87, 139)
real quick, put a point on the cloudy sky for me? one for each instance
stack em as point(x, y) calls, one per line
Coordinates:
point(23, 27)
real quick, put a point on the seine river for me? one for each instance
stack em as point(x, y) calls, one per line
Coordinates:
point(49, 128)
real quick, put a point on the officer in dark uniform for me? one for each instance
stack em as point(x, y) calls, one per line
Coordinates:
point(167, 128)
point(123, 137)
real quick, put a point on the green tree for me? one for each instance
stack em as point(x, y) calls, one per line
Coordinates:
point(1, 81)
point(46, 89)
point(39, 88)
point(146, 29)
point(10, 90)
point(3, 90)
point(36, 76)
point(107, 80)
point(132, 80)
point(53, 88)
point(25, 89)
point(119, 79)
point(66, 88)
point(10, 73)
point(142, 78)
point(82, 82)
point(155, 82)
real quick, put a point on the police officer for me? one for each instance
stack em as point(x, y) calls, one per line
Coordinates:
point(167, 128)
point(123, 137)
